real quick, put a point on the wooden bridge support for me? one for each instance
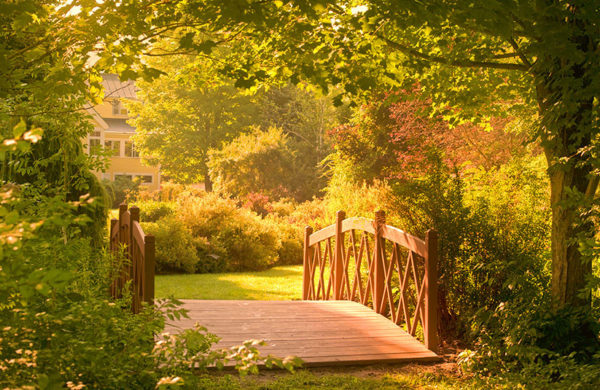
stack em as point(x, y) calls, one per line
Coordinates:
point(378, 274)
point(431, 292)
point(338, 261)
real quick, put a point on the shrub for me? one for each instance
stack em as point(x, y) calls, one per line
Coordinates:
point(121, 190)
point(211, 258)
point(257, 202)
point(152, 211)
point(175, 246)
point(290, 251)
point(291, 237)
point(247, 242)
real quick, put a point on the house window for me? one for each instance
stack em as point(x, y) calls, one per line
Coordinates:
point(116, 107)
point(94, 142)
point(144, 179)
point(115, 146)
point(130, 149)
point(123, 177)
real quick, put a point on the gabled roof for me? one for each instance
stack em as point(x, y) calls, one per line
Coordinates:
point(115, 88)
point(97, 117)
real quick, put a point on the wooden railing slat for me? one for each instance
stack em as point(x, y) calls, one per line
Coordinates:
point(408, 241)
point(321, 235)
point(358, 223)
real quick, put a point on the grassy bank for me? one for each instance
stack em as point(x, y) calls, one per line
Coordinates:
point(278, 283)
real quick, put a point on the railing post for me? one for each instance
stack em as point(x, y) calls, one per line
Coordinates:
point(378, 276)
point(122, 210)
point(114, 224)
point(337, 271)
point(431, 292)
point(134, 214)
point(122, 272)
point(134, 267)
point(306, 263)
point(149, 266)
point(113, 248)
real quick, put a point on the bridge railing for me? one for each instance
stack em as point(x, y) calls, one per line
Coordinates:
point(139, 250)
point(378, 265)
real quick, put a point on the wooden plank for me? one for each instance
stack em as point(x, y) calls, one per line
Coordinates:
point(138, 235)
point(347, 326)
point(304, 335)
point(322, 361)
point(315, 350)
point(321, 235)
point(354, 340)
point(319, 332)
point(395, 344)
point(358, 223)
point(408, 241)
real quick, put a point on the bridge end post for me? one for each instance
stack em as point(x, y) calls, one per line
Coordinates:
point(431, 292)
point(306, 264)
point(337, 271)
point(378, 276)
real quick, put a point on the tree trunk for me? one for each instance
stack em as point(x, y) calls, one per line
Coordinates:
point(566, 104)
point(208, 187)
point(569, 269)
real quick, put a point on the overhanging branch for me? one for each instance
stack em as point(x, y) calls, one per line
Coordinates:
point(458, 63)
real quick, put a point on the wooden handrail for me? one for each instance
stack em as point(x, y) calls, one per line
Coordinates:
point(127, 234)
point(361, 269)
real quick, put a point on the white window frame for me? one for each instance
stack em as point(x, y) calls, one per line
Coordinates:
point(91, 136)
point(116, 107)
point(133, 176)
point(132, 148)
point(121, 146)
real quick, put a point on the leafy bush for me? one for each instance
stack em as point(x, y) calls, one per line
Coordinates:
point(121, 190)
point(152, 211)
point(291, 237)
point(175, 247)
point(525, 341)
point(247, 242)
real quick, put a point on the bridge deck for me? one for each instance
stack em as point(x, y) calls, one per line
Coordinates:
point(322, 333)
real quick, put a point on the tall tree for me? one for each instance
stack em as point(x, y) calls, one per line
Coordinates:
point(183, 114)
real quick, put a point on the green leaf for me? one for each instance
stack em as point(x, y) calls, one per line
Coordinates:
point(206, 46)
point(19, 129)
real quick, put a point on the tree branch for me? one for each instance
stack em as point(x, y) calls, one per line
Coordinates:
point(458, 63)
point(522, 56)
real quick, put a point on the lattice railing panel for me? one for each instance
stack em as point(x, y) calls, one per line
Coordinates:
point(377, 265)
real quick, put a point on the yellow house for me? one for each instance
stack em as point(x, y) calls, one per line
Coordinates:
point(113, 132)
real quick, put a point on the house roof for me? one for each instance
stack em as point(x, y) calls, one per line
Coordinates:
point(118, 125)
point(101, 122)
point(115, 88)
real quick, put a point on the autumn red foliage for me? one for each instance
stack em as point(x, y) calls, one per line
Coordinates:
point(394, 134)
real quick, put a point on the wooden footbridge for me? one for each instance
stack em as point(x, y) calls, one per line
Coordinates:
point(369, 296)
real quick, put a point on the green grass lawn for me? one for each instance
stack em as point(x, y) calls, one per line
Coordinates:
point(278, 283)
